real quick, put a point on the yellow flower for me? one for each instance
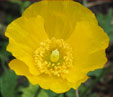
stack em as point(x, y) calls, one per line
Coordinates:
point(56, 43)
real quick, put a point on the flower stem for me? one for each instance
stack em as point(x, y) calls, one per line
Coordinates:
point(77, 93)
point(37, 92)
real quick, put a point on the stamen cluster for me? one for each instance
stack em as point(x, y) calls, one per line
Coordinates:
point(47, 63)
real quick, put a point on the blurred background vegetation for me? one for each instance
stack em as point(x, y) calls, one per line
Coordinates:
point(99, 85)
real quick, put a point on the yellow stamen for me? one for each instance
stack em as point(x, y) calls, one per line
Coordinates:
point(53, 57)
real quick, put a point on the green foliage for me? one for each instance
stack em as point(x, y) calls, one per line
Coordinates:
point(33, 91)
point(8, 84)
point(70, 93)
point(4, 55)
point(95, 73)
point(61, 95)
point(106, 22)
point(22, 4)
point(29, 91)
point(43, 94)
point(50, 93)
point(10, 18)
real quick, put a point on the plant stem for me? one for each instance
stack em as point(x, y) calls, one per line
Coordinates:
point(77, 93)
point(37, 92)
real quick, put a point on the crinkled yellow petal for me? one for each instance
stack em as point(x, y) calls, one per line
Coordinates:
point(60, 16)
point(56, 84)
point(25, 35)
point(19, 67)
point(89, 42)
point(53, 83)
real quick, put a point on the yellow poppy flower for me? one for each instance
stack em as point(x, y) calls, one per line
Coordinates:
point(56, 43)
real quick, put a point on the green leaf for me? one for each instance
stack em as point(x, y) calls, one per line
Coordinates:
point(4, 55)
point(61, 95)
point(30, 91)
point(82, 88)
point(105, 21)
point(111, 36)
point(50, 93)
point(70, 93)
point(8, 84)
point(24, 5)
point(16, 2)
point(95, 73)
point(43, 94)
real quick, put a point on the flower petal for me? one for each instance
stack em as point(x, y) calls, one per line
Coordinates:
point(89, 43)
point(56, 84)
point(25, 35)
point(53, 83)
point(88, 38)
point(19, 67)
point(60, 17)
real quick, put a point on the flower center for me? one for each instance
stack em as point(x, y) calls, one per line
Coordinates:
point(53, 57)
